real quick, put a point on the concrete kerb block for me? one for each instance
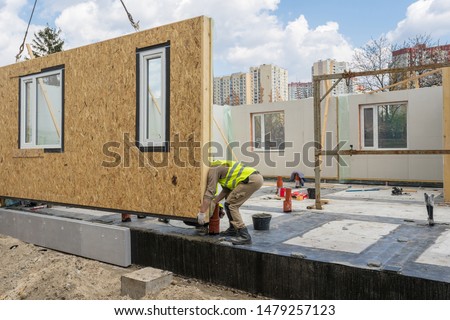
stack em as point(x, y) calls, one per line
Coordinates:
point(145, 281)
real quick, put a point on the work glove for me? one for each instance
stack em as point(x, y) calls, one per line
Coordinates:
point(201, 218)
point(221, 212)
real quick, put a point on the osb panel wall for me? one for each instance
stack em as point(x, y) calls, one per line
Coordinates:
point(100, 106)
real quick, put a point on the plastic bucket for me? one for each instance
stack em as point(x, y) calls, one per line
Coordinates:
point(311, 193)
point(261, 221)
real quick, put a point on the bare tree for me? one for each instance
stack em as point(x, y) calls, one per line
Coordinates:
point(419, 50)
point(375, 55)
point(381, 54)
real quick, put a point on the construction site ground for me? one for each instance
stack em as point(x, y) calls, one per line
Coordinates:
point(362, 227)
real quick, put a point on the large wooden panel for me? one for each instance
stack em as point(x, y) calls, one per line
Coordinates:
point(100, 107)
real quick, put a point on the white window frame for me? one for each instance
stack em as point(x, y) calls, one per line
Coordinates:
point(263, 141)
point(33, 79)
point(374, 108)
point(148, 144)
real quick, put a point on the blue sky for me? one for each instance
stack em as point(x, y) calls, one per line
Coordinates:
point(358, 20)
point(289, 33)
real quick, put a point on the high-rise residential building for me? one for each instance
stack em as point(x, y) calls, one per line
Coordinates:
point(300, 90)
point(270, 83)
point(233, 90)
point(266, 83)
point(420, 54)
point(331, 66)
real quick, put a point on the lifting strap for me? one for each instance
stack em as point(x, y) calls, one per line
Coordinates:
point(26, 32)
point(134, 24)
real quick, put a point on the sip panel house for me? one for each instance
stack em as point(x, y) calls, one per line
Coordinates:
point(115, 125)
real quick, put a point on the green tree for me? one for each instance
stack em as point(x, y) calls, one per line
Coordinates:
point(47, 41)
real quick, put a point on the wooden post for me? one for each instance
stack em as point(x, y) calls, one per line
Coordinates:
point(446, 130)
point(327, 105)
point(317, 140)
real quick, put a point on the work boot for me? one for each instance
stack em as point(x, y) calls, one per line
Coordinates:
point(230, 232)
point(243, 237)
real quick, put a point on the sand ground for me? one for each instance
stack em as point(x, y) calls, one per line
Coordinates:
point(32, 272)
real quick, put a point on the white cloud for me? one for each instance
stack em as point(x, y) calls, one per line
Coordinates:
point(86, 22)
point(424, 17)
point(247, 33)
point(11, 40)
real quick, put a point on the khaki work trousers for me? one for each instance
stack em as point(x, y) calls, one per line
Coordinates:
point(239, 195)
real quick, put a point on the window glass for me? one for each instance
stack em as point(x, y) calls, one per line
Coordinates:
point(28, 114)
point(48, 110)
point(41, 110)
point(384, 126)
point(274, 130)
point(268, 131)
point(258, 139)
point(368, 127)
point(392, 126)
point(154, 129)
point(153, 102)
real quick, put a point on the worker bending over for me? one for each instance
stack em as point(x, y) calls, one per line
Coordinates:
point(298, 177)
point(238, 183)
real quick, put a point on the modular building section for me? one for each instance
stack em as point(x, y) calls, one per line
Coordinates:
point(119, 124)
point(420, 127)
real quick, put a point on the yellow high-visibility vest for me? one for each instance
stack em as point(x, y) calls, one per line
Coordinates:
point(237, 172)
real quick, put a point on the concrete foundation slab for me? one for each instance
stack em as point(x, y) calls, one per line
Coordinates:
point(344, 235)
point(97, 241)
point(401, 257)
point(438, 253)
point(145, 281)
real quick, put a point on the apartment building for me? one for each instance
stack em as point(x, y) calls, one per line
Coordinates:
point(300, 90)
point(420, 54)
point(233, 90)
point(331, 66)
point(263, 84)
point(270, 84)
point(417, 55)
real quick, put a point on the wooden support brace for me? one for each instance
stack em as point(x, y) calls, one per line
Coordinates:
point(415, 78)
point(154, 100)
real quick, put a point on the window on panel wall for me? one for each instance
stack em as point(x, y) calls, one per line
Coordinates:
point(268, 131)
point(152, 130)
point(41, 110)
point(384, 126)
